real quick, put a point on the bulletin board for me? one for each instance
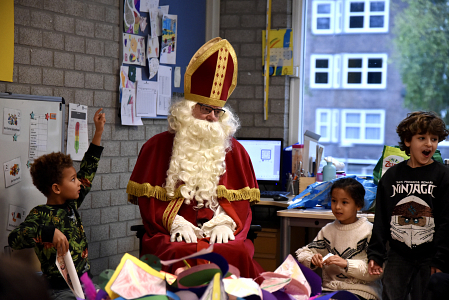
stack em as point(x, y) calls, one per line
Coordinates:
point(190, 36)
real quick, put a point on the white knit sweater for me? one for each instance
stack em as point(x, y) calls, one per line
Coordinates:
point(349, 242)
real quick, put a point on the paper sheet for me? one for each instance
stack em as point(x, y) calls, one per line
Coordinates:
point(15, 217)
point(164, 96)
point(13, 172)
point(11, 121)
point(133, 49)
point(146, 5)
point(127, 109)
point(38, 136)
point(77, 139)
point(146, 98)
point(169, 42)
point(152, 47)
point(67, 268)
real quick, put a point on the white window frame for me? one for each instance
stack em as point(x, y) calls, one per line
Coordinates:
point(331, 124)
point(366, 17)
point(329, 70)
point(364, 70)
point(362, 125)
point(315, 15)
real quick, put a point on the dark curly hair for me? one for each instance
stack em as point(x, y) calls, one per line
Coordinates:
point(420, 122)
point(351, 186)
point(47, 170)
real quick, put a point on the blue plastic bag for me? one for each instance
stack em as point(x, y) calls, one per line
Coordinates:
point(318, 193)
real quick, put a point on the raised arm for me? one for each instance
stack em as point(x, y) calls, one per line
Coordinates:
point(99, 121)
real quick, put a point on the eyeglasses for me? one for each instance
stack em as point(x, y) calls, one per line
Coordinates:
point(206, 109)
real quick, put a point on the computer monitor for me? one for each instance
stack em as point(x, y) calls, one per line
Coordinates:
point(266, 157)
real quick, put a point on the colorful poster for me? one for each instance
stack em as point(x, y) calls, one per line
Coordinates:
point(13, 172)
point(15, 217)
point(131, 17)
point(11, 121)
point(77, 140)
point(168, 47)
point(281, 51)
point(133, 49)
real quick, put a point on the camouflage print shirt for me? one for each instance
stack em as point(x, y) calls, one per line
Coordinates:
point(39, 226)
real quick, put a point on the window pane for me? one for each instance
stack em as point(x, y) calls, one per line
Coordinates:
point(377, 6)
point(323, 23)
point(354, 63)
point(322, 63)
point(356, 22)
point(354, 77)
point(372, 119)
point(376, 22)
point(352, 132)
point(321, 77)
point(324, 8)
point(357, 7)
point(372, 133)
point(352, 118)
point(323, 117)
point(323, 131)
point(375, 63)
point(375, 77)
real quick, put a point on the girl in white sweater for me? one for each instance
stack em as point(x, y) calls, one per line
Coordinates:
point(343, 244)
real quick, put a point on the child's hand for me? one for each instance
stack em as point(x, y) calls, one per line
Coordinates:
point(336, 260)
point(99, 121)
point(317, 260)
point(374, 268)
point(60, 242)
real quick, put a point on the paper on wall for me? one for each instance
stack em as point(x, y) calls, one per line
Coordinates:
point(13, 172)
point(146, 5)
point(127, 108)
point(11, 121)
point(146, 98)
point(67, 269)
point(133, 49)
point(38, 137)
point(15, 217)
point(169, 44)
point(152, 47)
point(77, 140)
point(164, 96)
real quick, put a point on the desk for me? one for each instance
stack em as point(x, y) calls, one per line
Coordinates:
point(300, 218)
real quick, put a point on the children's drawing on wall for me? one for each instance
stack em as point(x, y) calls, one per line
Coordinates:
point(153, 66)
point(13, 172)
point(15, 217)
point(77, 142)
point(127, 111)
point(133, 49)
point(131, 17)
point(125, 81)
point(152, 47)
point(11, 121)
point(281, 51)
point(147, 5)
point(168, 47)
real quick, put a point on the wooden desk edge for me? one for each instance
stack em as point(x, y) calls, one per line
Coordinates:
point(297, 213)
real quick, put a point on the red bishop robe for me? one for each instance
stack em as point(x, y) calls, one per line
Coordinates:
point(236, 190)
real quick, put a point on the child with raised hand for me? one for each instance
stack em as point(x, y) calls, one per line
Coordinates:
point(412, 212)
point(55, 228)
point(340, 247)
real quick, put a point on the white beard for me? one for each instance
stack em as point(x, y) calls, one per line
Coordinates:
point(412, 235)
point(198, 160)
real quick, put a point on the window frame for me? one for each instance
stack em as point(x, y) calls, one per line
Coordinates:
point(364, 70)
point(332, 123)
point(366, 17)
point(363, 126)
point(330, 71)
point(316, 15)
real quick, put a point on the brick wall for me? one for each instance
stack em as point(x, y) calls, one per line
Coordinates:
point(70, 49)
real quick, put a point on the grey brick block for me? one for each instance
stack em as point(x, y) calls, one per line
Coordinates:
point(22, 55)
point(91, 217)
point(67, 94)
point(95, 12)
point(101, 199)
point(111, 148)
point(87, 202)
point(117, 230)
point(31, 75)
point(151, 131)
point(99, 233)
point(254, 132)
point(115, 260)
point(75, 8)
point(55, 5)
point(104, 166)
point(29, 36)
point(109, 214)
point(53, 40)
point(253, 21)
point(248, 64)
point(229, 21)
point(84, 63)
point(280, 21)
point(278, 106)
point(95, 47)
point(94, 81)
point(246, 119)
point(104, 31)
point(18, 89)
point(252, 78)
point(40, 19)
point(125, 244)
point(94, 250)
point(119, 165)
point(64, 24)
point(74, 44)
point(106, 136)
point(244, 92)
point(241, 36)
point(131, 223)
point(136, 133)
point(87, 232)
point(281, 6)
point(111, 83)
point(64, 60)
point(251, 50)
point(119, 197)
point(112, 115)
point(42, 57)
point(277, 133)
point(98, 265)
point(74, 79)
point(108, 248)
point(85, 97)
point(128, 148)
point(275, 120)
point(112, 15)
point(110, 181)
point(127, 212)
point(84, 28)
point(103, 99)
point(124, 178)
point(237, 7)
point(42, 91)
point(96, 184)
point(132, 163)
point(21, 16)
point(120, 132)
point(103, 65)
